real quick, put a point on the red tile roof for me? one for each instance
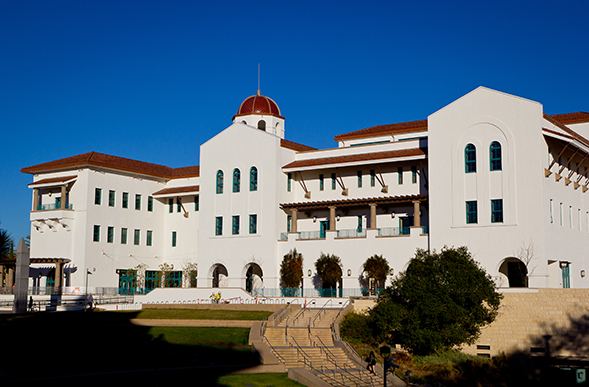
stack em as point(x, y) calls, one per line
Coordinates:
point(113, 162)
point(381, 130)
point(295, 146)
point(356, 157)
point(576, 135)
point(177, 190)
point(571, 118)
point(53, 180)
point(353, 202)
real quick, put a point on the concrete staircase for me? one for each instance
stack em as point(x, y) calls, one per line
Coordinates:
point(303, 339)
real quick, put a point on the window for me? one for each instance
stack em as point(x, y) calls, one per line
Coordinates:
point(414, 174)
point(289, 182)
point(110, 234)
point(111, 198)
point(236, 180)
point(235, 225)
point(288, 222)
point(137, 237)
point(219, 225)
point(196, 203)
point(125, 200)
point(262, 125)
point(97, 196)
point(359, 173)
point(333, 181)
point(400, 173)
point(219, 182)
point(149, 237)
point(123, 236)
point(253, 179)
point(359, 227)
point(170, 205)
point(495, 155)
point(173, 238)
point(372, 178)
point(497, 211)
point(321, 182)
point(253, 224)
point(470, 159)
point(471, 212)
point(178, 205)
point(150, 203)
point(138, 202)
point(96, 235)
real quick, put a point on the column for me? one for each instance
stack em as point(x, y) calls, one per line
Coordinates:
point(293, 226)
point(63, 206)
point(59, 273)
point(35, 198)
point(416, 214)
point(332, 218)
point(372, 216)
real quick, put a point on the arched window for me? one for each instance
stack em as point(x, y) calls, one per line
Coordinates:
point(253, 179)
point(262, 125)
point(219, 181)
point(495, 156)
point(236, 180)
point(470, 158)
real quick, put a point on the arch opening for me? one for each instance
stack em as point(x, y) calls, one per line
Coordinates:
point(219, 276)
point(253, 278)
point(516, 272)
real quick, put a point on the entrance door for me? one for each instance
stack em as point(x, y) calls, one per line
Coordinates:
point(566, 279)
point(405, 224)
point(323, 227)
point(127, 281)
point(249, 280)
point(50, 281)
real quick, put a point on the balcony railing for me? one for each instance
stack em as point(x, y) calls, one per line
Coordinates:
point(424, 229)
point(393, 231)
point(53, 206)
point(315, 292)
point(352, 233)
point(283, 236)
point(311, 235)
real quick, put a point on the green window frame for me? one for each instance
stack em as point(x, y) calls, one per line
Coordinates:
point(497, 211)
point(110, 234)
point(125, 200)
point(288, 223)
point(289, 182)
point(174, 238)
point(413, 174)
point(236, 180)
point(57, 203)
point(96, 233)
point(111, 198)
point(219, 181)
point(253, 179)
point(178, 205)
point(321, 182)
point(470, 159)
point(495, 156)
point(150, 203)
point(400, 175)
point(136, 237)
point(138, 202)
point(98, 196)
point(196, 202)
point(333, 180)
point(359, 173)
point(359, 227)
point(471, 212)
point(171, 205)
point(253, 224)
point(123, 236)
point(149, 239)
point(235, 225)
point(219, 225)
point(372, 177)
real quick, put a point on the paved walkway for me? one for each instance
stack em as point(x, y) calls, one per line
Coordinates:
point(193, 323)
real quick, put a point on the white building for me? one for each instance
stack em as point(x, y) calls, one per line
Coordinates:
point(490, 171)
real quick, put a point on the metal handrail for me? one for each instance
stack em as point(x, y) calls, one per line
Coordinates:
point(281, 312)
point(274, 351)
point(302, 311)
point(319, 312)
point(335, 332)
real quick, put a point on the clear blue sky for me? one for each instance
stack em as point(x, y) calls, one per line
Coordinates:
point(152, 80)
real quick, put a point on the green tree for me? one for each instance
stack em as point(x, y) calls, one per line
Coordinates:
point(329, 270)
point(378, 268)
point(5, 244)
point(291, 269)
point(442, 300)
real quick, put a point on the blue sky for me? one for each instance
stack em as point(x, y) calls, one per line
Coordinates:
point(152, 80)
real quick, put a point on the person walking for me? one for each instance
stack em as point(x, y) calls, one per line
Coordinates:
point(371, 362)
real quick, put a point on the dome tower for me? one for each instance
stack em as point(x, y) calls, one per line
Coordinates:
point(261, 112)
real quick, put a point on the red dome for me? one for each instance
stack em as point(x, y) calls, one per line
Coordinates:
point(258, 104)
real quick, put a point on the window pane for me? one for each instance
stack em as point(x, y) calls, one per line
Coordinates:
point(196, 203)
point(125, 200)
point(173, 238)
point(470, 158)
point(111, 198)
point(219, 225)
point(235, 225)
point(253, 224)
point(497, 211)
point(149, 237)
point(471, 212)
point(123, 236)
point(97, 196)
point(253, 179)
point(495, 154)
point(372, 178)
point(321, 182)
point(96, 235)
point(150, 203)
point(359, 173)
point(400, 173)
point(414, 174)
point(137, 237)
point(110, 235)
point(138, 202)
point(219, 182)
point(236, 180)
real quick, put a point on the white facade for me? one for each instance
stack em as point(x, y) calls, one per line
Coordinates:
point(478, 172)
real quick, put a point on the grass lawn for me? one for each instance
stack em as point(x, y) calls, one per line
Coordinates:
point(201, 314)
point(257, 380)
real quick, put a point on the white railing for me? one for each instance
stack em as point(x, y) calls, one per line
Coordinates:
point(351, 233)
point(310, 235)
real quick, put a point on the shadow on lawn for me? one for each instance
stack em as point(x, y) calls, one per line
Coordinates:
point(104, 347)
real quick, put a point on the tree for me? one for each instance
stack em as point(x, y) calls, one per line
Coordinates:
point(291, 269)
point(442, 300)
point(5, 244)
point(378, 268)
point(329, 270)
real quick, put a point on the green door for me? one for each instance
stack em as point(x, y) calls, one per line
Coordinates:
point(323, 227)
point(566, 279)
point(127, 281)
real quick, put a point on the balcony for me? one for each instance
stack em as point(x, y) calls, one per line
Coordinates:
point(352, 233)
point(53, 206)
point(393, 231)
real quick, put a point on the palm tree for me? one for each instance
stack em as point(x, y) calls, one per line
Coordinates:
point(5, 244)
point(378, 268)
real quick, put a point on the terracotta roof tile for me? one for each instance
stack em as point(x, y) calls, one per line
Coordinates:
point(53, 180)
point(571, 118)
point(177, 190)
point(114, 162)
point(356, 157)
point(353, 202)
point(295, 146)
point(381, 130)
point(576, 135)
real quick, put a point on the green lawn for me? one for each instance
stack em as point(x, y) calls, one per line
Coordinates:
point(202, 314)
